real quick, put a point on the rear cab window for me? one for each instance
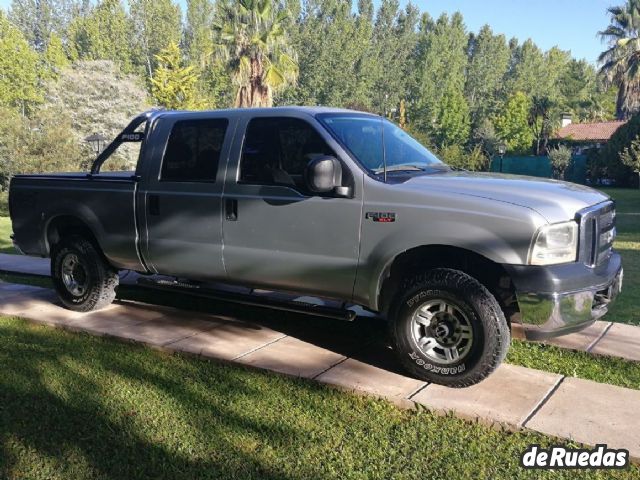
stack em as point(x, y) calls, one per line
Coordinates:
point(193, 150)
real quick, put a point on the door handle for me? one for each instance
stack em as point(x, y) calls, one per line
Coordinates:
point(231, 209)
point(154, 205)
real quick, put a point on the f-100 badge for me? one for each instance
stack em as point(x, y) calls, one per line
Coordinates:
point(382, 217)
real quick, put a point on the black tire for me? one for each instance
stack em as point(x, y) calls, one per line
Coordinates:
point(468, 305)
point(95, 287)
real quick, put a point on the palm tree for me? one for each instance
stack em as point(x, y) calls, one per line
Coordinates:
point(252, 39)
point(620, 63)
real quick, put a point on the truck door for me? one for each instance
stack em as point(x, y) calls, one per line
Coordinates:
point(181, 197)
point(276, 233)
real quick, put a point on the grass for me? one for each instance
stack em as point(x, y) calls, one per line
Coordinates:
point(4, 204)
point(625, 309)
point(6, 245)
point(76, 406)
point(614, 371)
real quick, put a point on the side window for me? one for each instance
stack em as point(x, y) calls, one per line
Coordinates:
point(277, 150)
point(193, 150)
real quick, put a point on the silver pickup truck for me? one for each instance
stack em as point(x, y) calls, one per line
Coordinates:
point(338, 205)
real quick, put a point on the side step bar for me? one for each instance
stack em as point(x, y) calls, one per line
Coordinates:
point(248, 299)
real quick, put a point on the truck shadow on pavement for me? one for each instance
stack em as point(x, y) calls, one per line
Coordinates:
point(365, 339)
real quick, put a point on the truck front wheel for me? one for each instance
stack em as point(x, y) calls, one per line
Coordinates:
point(447, 328)
point(82, 278)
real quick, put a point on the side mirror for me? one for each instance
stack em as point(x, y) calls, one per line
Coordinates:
point(323, 174)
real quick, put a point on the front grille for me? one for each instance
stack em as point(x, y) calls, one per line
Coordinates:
point(597, 233)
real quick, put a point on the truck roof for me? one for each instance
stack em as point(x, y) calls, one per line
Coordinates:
point(235, 111)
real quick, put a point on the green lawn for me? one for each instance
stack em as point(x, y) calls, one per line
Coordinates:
point(6, 246)
point(4, 204)
point(73, 406)
point(625, 309)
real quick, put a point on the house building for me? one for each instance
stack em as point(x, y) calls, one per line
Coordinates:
point(584, 136)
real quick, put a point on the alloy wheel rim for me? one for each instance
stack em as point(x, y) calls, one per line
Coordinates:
point(442, 331)
point(74, 275)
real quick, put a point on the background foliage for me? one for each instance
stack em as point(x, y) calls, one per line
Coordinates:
point(90, 65)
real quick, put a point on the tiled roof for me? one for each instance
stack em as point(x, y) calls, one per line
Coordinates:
point(601, 131)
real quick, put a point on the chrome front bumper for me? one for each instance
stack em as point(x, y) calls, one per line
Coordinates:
point(554, 310)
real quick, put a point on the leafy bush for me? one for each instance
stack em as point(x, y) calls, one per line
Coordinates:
point(35, 145)
point(608, 162)
point(630, 156)
point(458, 157)
point(560, 158)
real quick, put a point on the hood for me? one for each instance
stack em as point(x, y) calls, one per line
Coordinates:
point(556, 201)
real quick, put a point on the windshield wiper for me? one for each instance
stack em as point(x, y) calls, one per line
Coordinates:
point(399, 168)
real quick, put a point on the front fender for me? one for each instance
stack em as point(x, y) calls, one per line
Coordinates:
point(500, 239)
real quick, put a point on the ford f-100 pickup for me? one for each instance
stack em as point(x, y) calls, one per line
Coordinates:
point(338, 205)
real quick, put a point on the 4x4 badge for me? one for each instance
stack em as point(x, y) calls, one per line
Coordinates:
point(383, 217)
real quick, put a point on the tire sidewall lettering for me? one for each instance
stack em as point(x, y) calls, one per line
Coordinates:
point(453, 370)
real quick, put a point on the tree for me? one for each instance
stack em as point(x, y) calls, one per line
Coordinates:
point(20, 67)
point(102, 99)
point(453, 118)
point(54, 57)
point(36, 19)
point(541, 121)
point(528, 71)
point(252, 39)
point(484, 136)
point(560, 158)
point(441, 64)
point(620, 63)
point(630, 156)
point(198, 32)
point(38, 144)
point(174, 85)
point(393, 41)
point(488, 64)
point(334, 54)
point(157, 23)
point(103, 34)
point(512, 124)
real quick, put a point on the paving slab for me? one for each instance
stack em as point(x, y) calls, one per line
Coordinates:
point(592, 413)
point(163, 330)
point(355, 375)
point(293, 357)
point(620, 341)
point(39, 304)
point(228, 340)
point(507, 396)
point(581, 340)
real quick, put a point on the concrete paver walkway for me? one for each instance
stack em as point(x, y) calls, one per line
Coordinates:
point(602, 338)
point(351, 356)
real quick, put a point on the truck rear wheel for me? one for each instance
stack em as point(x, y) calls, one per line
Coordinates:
point(447, 328)
point(82, 278)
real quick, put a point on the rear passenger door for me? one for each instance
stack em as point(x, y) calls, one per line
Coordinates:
point(277, 234)
point(182, 197)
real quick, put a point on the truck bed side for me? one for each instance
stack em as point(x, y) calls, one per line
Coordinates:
point(43, 205)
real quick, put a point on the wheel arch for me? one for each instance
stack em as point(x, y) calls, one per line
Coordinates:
point(64, 225)
point(415, 260)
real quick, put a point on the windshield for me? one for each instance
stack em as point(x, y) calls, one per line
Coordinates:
point(370, 139)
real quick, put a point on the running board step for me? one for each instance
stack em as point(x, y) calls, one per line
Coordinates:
point(248, 299)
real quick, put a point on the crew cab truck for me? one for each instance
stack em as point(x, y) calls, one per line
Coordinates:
point(339, 205)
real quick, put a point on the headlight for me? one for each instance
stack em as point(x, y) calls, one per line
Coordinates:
point(557, 243)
